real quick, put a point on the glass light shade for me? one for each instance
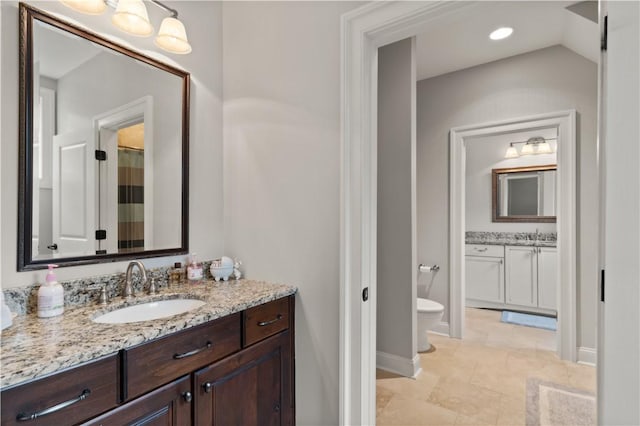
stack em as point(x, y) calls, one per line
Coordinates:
point(544, 148)
point(131, 17)
point(90, 7)
point(512, 152)
point(527, 149)
point(172, 37)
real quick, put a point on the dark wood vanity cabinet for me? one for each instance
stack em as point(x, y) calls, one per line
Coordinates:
point(168, 405)
point(249, 388)
point(236, 370)
point(64, 398)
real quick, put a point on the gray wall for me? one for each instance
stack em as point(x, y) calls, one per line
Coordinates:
point(546, 80)
point(282, 172)
point(483, 155)
point(204, 25)
point(396, 278)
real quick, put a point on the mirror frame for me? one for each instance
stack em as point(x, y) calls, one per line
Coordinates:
point(494, 195)
point(25, 156)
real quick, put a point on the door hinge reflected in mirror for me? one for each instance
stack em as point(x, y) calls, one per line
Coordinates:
point(365, 294)
point(101, 234)
point(101, 155)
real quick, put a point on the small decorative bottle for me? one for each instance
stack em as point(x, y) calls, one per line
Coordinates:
point(175, 274)
point(194, 270)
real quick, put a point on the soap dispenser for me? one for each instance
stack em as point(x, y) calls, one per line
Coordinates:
point(194, 270)
point(50, 296)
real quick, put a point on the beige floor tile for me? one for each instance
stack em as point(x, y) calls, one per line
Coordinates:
point(467, 399)
point(582, 376)
point(410, 412)
point(419, 388)
point(383, 396)
point(478, 380)
point(512, 411)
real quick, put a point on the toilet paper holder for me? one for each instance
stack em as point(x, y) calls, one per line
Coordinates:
point(425, 268)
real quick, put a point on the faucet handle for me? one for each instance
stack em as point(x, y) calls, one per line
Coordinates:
point(103, 299)
point(152, 286)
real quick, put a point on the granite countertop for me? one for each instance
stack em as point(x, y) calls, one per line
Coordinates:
point(34, 347)
point(512, 238)
point(507, 242)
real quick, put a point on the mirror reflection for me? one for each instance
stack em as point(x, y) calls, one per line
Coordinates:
point(524, 194)
point(107, 147)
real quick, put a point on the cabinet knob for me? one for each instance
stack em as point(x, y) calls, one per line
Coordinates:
point(207, 387)
point(276, 408)
point(187, 396)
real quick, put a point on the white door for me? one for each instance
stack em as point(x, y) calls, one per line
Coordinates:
point(619, 339)
point(521, 275)
point(74, 193)
point(547, 277)
point(485, 278)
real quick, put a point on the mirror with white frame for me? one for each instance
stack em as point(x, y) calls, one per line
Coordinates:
point(103, 148)
point(524, 194)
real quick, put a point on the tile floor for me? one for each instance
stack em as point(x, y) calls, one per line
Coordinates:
point(480, 380)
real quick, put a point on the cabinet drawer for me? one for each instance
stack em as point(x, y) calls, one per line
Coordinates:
point(484, 250)
point(70, 396)
point(265, 320)
point(153, 364)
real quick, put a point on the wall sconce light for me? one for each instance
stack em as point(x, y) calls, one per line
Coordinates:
point(534, 145)
point(131, 17)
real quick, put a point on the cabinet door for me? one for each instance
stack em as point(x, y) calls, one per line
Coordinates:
point(547, 277)
point(252, 387)
point(167, 405)
point(484, 278)
point(521, 275)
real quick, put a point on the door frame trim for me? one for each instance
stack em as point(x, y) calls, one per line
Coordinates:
point(565, 122)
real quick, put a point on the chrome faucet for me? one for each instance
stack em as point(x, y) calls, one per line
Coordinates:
point(128, 288)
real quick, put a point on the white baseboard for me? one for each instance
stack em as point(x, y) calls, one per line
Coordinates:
point(397, 364)
point(441, 328)
point(587, 356)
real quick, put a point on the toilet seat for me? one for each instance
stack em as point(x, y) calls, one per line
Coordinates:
point(426, 306)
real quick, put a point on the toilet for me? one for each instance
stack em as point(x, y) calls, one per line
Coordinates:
point(429, 315)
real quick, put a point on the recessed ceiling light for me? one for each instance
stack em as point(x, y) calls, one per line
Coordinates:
point(501, 33)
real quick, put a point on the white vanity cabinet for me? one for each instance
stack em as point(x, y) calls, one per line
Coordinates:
point(522, 275)
point(547, 278)
point(484, 272)
point(522, 278)
point(531, 276)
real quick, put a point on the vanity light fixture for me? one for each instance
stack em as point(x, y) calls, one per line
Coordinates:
point(512, 152)
point(131, 17)
point(90, 7)
point(534, 145)
point(501, 33)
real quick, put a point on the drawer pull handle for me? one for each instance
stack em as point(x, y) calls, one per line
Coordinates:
point(193, 352)
point(25, 417)
point(481, 249)
point(263, 323)
point(207, 387)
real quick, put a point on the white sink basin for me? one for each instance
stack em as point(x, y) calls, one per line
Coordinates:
point(149, 311)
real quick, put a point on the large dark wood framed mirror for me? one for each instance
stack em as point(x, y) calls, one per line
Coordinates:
point(104, 149)
point(524, 194)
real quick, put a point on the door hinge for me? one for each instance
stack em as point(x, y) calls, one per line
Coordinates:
point(365, 294)
point(101, 155)
point(605, 34)
point(602, 285)
point(101, 234)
